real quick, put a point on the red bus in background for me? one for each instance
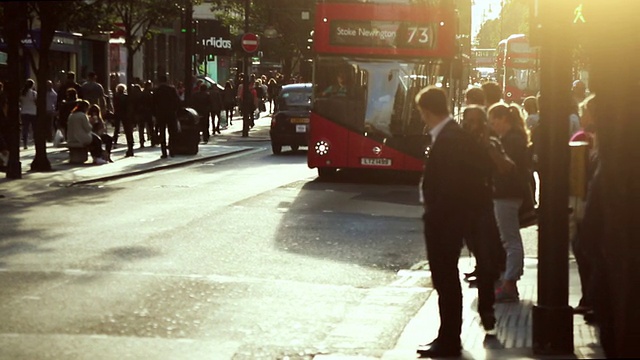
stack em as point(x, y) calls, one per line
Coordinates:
point(483, 63)
point(500, 61)
point(384, 53)
point(519, 69)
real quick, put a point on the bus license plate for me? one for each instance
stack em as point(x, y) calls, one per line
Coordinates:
point(301, 128)
point(375, 161)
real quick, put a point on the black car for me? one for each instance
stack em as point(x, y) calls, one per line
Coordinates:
point(290, 124)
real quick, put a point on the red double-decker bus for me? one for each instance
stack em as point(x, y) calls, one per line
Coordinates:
point(371, 59)
point(519, 69)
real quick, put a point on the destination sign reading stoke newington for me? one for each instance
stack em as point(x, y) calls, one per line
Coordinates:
point(383, 34)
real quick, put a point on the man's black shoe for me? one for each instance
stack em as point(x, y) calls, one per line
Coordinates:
point(438, 349)
point(488, 321)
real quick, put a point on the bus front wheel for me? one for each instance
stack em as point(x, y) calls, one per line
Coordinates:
point(326, 173)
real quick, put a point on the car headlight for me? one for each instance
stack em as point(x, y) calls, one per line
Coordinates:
point(322, 148)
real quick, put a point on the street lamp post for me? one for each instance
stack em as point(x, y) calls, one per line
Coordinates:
point(188, 49)
point(552, 318)
point(247, 101)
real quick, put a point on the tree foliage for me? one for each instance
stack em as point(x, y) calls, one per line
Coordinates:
point(284, 16)
point(138, 20)
point(513, 19)
point(51, 16)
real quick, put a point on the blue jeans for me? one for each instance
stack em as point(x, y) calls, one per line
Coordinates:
point(506, 211)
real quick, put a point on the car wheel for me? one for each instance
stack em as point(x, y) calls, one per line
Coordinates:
point(295, 147)
point(326, 172)
point(276, 148)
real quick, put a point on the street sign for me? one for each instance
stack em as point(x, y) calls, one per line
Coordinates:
point(249, 42)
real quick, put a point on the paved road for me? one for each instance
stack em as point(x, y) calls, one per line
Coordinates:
point(244, 257)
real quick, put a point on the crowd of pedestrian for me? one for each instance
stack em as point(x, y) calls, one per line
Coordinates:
point(478, 189)
point(126, 108)
point(140, 105)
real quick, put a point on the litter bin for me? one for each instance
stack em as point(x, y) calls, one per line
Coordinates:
point(187, 135)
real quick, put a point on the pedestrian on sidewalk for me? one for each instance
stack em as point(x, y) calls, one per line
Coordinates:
point(66, 106)
point(70, 83)
point(93, 91)
point(134, 109)
point(229, 98)
point(474, 96)
point(146, 114)
point(165, 107)
point(510, 190)
point(28, 110)
point(99, 128)
point(201, 103)
point(217, 105)
point(452, 187)
point(52, 98)
point(273, 89)
point(80, 134)
point(583, 256)
point(483, 239)
point(121, 116)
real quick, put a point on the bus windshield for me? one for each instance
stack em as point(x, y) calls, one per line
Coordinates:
point(373, 96)
point(524, 79)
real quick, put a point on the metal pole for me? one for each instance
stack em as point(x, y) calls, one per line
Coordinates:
point(16, 29)
point(188, 49)
point(246, 94)
point(552, 317)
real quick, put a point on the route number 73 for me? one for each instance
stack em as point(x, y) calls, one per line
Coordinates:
point(420, 34)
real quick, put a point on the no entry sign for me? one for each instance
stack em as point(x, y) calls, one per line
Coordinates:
point(249, 42)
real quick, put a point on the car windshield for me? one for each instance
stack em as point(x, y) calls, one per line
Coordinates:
point(295, 98)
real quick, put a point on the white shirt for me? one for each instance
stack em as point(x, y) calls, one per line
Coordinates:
point(435, 131)
point(52, 98)
point(28, 102)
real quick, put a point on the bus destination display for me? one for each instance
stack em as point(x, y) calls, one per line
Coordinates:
point(383, 34)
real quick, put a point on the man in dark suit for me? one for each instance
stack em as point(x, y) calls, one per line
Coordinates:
point(453, 192)
point(165, 105)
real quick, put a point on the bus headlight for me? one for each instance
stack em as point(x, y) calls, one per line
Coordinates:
point(322, 148)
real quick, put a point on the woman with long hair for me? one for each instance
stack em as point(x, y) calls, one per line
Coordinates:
point(99, 128)
point(28, 109)
point(510, 190)
point(80, 134)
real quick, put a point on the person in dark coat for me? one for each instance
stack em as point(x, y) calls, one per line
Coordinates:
point(229, 95)
point(453, 195)
point(135, 111)
point(65, 108)
point(201, 103)
point(217, 105)
point(70, 82)
point(483, 239)
point(146, 114)
point(165, 105)
point(122, 116)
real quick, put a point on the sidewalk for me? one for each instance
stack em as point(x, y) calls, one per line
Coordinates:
point(514, 338)
point(144, 160)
